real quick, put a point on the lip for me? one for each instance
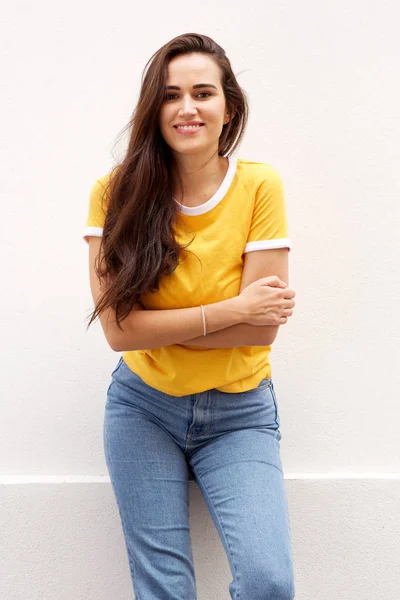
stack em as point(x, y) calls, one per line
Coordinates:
point(188, 131)
point(189, 123)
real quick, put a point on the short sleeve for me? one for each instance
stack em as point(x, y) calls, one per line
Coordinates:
point(269, 227)
point(96, 210)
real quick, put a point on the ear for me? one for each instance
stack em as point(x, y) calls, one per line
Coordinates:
point(227, 117)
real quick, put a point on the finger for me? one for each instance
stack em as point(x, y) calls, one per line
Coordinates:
point(289, 294)
point(270, 279)
point(272, 282)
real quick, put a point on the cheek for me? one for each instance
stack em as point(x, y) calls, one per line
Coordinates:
point(164, 119)
point(216, 112)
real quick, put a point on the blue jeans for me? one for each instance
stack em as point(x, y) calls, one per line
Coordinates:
point(230, 445)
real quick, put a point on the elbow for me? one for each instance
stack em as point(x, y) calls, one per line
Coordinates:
point(119, 344)
point(270, 335)
point(115, 342)
point(113, 338)
point(268, 341)
point(121, 340)
point(114, 345)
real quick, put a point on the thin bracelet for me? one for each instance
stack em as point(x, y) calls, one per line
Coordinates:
point(204, 320)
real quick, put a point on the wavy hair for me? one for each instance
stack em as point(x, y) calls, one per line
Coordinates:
point(138, 246)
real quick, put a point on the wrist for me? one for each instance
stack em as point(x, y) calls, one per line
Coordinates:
point(236, 310)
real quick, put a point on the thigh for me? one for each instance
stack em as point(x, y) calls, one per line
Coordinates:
point(240, 475)
point(149, 477)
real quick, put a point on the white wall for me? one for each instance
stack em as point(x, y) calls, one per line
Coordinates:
point(323, 82)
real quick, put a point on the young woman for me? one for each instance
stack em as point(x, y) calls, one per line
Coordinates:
point(188, 252)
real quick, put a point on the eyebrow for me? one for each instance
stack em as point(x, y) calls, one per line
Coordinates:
point(195, 87)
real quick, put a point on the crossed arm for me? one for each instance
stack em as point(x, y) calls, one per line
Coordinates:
point(257, 264)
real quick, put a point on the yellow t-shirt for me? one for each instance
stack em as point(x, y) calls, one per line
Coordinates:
point(246, 213)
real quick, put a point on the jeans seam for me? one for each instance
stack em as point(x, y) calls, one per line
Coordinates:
point(129, 551)
point(108, 459)
point(222, 528)
point(275, 405)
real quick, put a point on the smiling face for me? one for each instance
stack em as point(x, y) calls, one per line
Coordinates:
point(194, 110)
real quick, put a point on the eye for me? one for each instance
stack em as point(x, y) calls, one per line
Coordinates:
point(200, 95)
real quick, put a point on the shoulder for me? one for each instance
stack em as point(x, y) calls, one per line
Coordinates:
point(102, 183)
point(99, 192)
point(258, 172)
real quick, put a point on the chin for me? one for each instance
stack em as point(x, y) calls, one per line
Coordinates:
point(191, 148)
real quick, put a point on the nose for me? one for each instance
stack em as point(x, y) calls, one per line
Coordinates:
point(188, 106)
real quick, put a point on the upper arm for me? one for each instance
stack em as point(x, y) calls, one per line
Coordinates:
point(263, 263)
point(97, 207)
point(92, 235)
point(107, 317)
point(268, 245)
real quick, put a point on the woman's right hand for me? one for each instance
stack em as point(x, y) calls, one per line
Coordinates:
point(267, 301)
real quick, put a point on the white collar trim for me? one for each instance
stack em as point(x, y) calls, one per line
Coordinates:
point(217, 197)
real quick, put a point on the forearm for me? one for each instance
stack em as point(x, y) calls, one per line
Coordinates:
point(147, 329)
point(236, 336)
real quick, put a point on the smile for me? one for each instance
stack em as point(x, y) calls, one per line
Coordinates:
point(188, 129)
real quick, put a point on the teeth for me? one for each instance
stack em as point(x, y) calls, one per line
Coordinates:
point(189, 126)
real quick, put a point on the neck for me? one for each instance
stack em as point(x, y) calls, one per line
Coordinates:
point(198, 173)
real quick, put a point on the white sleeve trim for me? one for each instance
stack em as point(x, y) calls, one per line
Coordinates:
point(88, 231)
point(268, 244)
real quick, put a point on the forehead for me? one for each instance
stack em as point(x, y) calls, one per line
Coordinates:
point(189, 69)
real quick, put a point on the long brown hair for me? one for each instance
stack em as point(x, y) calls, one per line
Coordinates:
point(138, 244)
